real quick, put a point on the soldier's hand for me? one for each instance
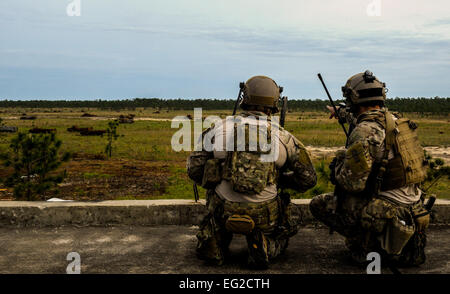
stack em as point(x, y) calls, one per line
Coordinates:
point(331, 109)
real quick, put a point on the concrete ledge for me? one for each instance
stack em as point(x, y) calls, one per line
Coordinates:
point(135, 212)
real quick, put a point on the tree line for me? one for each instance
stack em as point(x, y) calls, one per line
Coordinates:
point(421, 105)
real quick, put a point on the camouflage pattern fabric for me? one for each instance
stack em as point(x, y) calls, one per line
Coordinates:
point(368, 222)
point(369, 137)
point(214, 239)
point(345, 116)
point(274, 224)
point(364, 223)
point(247, 173)
point(346, 221)
point(299, 173)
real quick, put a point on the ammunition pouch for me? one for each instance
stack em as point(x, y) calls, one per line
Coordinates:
point(245, 170)
point(377, 214)
point(356, 159)
point(396, 236)
point(248, 174)
point(212, 173)
point(421, 218)
point(264, 215)
point(240, 224)
point(400, 229)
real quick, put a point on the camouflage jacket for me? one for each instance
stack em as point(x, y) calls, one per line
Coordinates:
point(365, 147)
point(297, 172)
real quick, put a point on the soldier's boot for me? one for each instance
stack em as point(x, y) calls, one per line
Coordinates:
point(322, 207)
point(357, 251)
point(258, 257)
point(225, 241)
point(209, 252)
point(276, 247)
point(212, 242)
point(413, 254)
point(362, 244)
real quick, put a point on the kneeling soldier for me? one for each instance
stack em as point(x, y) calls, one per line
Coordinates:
point(242, 195)
point(377, 204)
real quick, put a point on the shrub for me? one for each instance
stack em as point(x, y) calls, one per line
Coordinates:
point(34, 158)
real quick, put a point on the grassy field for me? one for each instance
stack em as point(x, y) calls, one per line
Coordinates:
point(144, 166)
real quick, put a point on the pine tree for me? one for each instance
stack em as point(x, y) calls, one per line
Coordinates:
point(111, 135)
point(34, 158)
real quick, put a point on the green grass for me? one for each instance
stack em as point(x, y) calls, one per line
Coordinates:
point(441, 189)
point(180, 186)
point(92, 175)
point(150, 140)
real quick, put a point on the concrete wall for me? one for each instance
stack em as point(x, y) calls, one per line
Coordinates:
point(134, 212)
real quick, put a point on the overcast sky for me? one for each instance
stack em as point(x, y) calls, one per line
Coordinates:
point(204, 48)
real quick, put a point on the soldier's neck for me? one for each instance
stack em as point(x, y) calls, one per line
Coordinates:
point(363, 109)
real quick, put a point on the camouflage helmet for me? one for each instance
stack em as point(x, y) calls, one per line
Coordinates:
point(364, 87)
point(262, 91)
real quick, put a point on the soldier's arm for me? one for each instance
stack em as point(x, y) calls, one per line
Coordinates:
point(196, 164)
point(300, 174)
point(354, 166)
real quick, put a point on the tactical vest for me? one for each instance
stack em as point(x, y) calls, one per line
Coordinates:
point(244, 169)
point(408, 166)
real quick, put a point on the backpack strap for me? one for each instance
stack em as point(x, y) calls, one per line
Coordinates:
point(389, 143)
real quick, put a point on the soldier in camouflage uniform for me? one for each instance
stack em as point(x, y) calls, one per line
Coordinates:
point(377, 204)
point(242, 195)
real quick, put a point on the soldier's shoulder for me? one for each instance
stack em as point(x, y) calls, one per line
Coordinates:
point(289, 139)
point(368, 130)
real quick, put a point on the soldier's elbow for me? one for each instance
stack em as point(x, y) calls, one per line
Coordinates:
point(305, 184)
point(353, 187)
point(195, 174)
point(311, 183)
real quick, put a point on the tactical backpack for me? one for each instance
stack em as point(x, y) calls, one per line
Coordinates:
point(245, 170)
point(408, 166)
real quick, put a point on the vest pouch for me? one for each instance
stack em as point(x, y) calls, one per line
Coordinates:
point(421, 218)
point(212, 174)
point(396, 236)
point(249, 175)
point(240, 224)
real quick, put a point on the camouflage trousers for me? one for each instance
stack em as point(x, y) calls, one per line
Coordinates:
point(264, 242)
point(375, 225)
